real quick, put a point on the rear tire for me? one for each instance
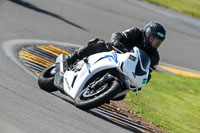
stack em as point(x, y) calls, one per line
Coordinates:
point(103, 96)
point(46, 80)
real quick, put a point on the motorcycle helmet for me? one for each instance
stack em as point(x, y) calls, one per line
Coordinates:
point(154, 35)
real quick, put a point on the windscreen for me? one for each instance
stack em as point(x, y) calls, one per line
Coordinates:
point(143, 63)
point(145, 59)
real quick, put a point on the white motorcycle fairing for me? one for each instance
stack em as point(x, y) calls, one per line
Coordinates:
point(129, 64)
point(75, 81)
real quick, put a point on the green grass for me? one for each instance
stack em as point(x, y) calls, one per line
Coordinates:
point(190, 7)
point(169, 101)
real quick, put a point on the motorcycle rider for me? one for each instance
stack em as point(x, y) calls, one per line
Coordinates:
point(148, 39)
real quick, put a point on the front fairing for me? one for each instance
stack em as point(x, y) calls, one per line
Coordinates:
point(135, 68)
point(74, 82)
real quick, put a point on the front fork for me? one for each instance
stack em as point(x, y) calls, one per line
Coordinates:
point(108, 77)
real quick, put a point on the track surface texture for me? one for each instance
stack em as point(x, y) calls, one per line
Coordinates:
point(26, 108)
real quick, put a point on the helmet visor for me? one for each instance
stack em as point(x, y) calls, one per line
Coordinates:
point(155, 41)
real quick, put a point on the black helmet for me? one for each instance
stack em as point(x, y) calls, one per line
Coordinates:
point(154, 35)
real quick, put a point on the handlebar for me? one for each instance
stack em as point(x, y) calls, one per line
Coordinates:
point(117, 50)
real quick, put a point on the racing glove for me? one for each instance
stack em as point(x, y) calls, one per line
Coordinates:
point(119, 46)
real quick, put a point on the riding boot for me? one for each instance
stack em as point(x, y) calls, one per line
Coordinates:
point(71, 59)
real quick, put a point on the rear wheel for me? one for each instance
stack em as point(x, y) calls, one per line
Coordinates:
point(46, 79)
point(94, 95)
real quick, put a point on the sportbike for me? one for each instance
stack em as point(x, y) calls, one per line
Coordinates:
point(99, 78)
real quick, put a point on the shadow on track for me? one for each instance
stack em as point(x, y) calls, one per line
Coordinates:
point(62, 98)
point(35, 8)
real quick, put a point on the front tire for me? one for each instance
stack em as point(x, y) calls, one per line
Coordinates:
point(86, 100)
point(46, 79)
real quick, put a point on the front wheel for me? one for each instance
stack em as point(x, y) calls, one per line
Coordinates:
point(46, 79)
point(93, 97)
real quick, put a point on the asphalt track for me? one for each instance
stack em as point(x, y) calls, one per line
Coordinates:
point(26, 108)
